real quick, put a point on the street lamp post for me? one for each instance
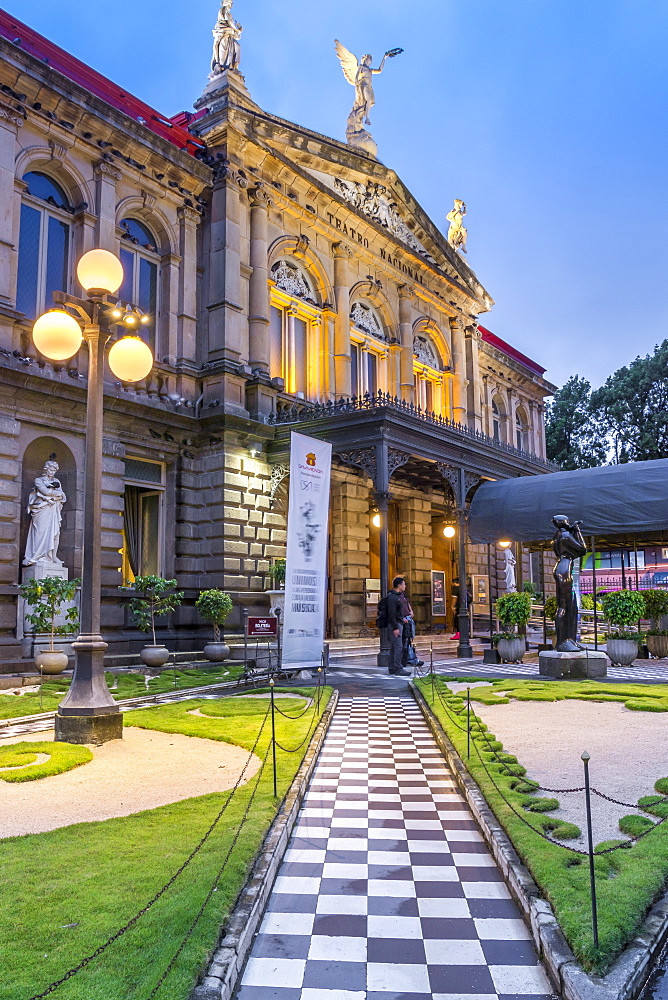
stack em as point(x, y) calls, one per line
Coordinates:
point(88, 713)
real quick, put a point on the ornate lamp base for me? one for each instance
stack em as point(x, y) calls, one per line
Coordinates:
point(89, 728)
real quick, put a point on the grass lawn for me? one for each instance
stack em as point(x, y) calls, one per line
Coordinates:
point(63, 893)
point(122, 686)
point(627, 881)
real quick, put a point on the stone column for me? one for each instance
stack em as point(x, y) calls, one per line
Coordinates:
point(416, 555)
point(459, 364)
point(349, 565)
point(10, 122)
point(227, 327)
point(475, 381)
point(106, 176)
point(189, 219)
point(407, 382)
point(166, 326)
point(342, 254)
point(258, 287)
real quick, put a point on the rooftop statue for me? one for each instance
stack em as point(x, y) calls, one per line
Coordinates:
point(457, 233)
point(359, 74)
point(226, 47)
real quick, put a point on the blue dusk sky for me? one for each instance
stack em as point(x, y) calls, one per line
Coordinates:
point(548, 117)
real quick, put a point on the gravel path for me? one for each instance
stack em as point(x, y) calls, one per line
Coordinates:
point(629, 752)
point(144, 770)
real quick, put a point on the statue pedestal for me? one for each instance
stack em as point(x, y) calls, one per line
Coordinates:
point(589, 663)
point(37, 642)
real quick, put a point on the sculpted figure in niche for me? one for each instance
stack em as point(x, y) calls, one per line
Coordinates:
point(568, 545)
point(45, 505)
point(457, 233)
point(509, 571)
point(226, 47)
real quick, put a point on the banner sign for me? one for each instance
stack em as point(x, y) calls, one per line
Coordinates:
point(437, 592)
point(306, 557)
point(257, 627)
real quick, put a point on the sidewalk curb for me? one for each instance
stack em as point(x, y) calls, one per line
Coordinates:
point(227, 962)
point(629, 972)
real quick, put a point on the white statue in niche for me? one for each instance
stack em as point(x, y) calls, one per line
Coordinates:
point(509, 571)
point(45, 505)
point(226, 47)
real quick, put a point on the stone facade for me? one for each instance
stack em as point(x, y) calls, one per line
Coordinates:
point(291, 271)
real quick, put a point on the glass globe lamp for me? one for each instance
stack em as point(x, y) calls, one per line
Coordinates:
point(449, 531)
point(100, 271)
point(57, 335)
point(130, 359)
point(505, 544)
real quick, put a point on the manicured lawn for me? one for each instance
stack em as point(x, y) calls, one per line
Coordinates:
point(20, 757)
point(122, 686)
point(628, 880)
point(637, 697)
point(62, 894)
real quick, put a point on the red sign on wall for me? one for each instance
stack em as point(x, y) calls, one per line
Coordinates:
point(258, 627)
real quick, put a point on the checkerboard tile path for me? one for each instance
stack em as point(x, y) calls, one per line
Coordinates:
point(387, 890)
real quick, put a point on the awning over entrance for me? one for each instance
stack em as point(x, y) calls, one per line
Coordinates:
point(612, 500)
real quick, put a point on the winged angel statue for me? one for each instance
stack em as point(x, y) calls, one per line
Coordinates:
point(359, 74)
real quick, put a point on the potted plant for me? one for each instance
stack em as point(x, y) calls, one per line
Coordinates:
point(155, 596)
point(215, 606)
point(622, 610)
point(277, 594)
point(656, 606)
point(45, 599)
point(513, 611)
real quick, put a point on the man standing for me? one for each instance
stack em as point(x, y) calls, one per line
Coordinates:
point(395, 625)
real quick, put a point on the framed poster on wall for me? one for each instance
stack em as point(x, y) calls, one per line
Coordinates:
point(438, 592)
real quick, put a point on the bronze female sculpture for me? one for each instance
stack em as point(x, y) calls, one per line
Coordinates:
point(568, 545)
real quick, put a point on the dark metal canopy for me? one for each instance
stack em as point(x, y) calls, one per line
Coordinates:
point(613, 500)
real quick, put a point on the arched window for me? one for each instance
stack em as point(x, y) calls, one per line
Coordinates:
point(497, 417)
point(367, 350)
point(521, 429)
point(431, 387)
point(44, 244)
point(141, 263)
point(293, 330)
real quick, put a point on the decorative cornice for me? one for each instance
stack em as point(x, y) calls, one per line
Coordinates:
point(10, 115)
point(258, 197)
point(187, 214)
point(107, 170)
point(342, 251)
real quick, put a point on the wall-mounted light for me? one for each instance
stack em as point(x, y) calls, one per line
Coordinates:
point(449, 531)
point(254, 449)
point(376, 520)
point(505, 544)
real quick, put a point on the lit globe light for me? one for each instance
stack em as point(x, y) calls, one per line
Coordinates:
point(129, 318)
point(100, 270)
point(57, 335)
point(449, 531)
point(130, 359)
point(375, 520)
point(505, 544)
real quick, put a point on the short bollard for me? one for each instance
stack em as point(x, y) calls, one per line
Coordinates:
point(273, 732)
point(468, 723)
point(592, 876)
point(431, 657)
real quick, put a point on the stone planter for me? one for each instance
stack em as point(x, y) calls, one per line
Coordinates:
point(154, 656)
point(658, 645)
point(51, 661)
point(621, 652)
point(216, 651)
point(276, 600)
point(511, 650)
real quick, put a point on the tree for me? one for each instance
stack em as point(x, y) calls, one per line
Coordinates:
point(572, 435)
point(633, 407)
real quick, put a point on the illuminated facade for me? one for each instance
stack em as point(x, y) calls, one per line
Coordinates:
point(294, 282)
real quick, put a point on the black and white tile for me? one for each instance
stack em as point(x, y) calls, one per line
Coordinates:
point(387, 890)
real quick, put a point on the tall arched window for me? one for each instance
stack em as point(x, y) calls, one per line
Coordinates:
point(431, 385)
point(294, 320)
point(497, 417)
point(141, 264)
point(521, 430)
point(367, 350)
point(44, 244)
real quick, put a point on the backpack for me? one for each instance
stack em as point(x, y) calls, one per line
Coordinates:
point(382, 620)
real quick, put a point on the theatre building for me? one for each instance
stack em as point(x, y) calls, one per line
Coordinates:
point(292, 283)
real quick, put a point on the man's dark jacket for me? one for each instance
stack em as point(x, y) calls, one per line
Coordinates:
point(395, 614)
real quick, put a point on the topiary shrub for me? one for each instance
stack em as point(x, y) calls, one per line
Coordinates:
point(157, 598)
point(514, 611)
point(214, 606)
point(656, 605)
point(623, 609)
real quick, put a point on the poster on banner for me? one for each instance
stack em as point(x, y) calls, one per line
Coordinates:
point(306, 557)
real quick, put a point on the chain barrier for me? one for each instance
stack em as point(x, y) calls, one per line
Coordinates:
point(315, 704)
point(214, 885)
point(624, 845)
point(158, 895)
